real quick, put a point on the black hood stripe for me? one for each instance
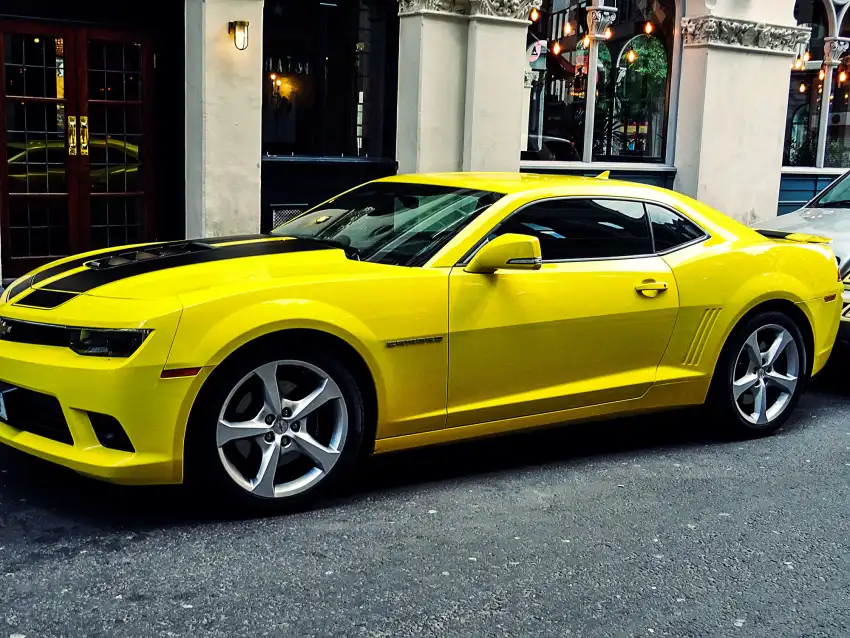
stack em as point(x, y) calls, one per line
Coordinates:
point(92, 278)
point(73, 264)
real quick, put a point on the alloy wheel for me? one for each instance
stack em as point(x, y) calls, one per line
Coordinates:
point(282, 428)
point(766, 374)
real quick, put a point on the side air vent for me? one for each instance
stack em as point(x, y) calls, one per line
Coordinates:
point(706, 325)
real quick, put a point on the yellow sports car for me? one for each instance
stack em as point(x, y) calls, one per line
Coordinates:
point(409, 311)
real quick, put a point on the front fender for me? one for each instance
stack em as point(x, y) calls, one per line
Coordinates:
point(200, 342)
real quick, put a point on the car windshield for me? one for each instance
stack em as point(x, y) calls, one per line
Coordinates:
point(391, 222)
point(835, 196)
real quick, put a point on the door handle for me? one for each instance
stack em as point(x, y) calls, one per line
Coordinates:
point(72, 135)
point(84, 135)
point(651, 288)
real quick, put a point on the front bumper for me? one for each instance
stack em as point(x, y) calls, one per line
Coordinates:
point(152, 411)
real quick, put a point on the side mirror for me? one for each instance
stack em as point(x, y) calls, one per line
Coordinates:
point(507, 252)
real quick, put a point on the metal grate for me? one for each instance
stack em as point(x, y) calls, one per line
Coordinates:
point(281, 215)
point(35, 412)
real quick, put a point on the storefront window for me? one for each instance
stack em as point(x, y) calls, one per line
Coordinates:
point(329, 77)
point(837, 152)
point(633, 83)
point(806, 89)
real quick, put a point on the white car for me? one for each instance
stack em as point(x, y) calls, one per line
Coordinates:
point(827, 215)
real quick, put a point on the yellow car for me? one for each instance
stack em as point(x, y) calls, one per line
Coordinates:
point(410, 311)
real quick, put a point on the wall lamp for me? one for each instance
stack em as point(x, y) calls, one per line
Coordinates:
point(239, 30)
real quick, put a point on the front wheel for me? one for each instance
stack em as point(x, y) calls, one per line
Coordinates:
point(274, 431)
point(760, 375)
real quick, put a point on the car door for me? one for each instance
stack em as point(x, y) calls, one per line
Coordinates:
point(589, 327)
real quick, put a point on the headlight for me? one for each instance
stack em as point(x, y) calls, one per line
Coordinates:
point(106, 343)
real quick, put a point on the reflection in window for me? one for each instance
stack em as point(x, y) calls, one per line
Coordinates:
point(634, 79)
point(329, 69)
point(838, 124)
point(633, 82)
point(558, 60)
point(805, 90)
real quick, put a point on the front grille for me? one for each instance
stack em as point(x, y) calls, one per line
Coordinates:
point(39, 334)
point(35, 412)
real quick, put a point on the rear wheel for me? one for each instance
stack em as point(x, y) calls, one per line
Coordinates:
point(760, 375)
point(275, 432)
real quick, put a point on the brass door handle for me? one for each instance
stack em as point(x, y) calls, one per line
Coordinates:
point(84, 135)
point(651, 288)
point(72, 135)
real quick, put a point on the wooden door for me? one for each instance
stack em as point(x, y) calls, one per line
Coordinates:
point(75, 125)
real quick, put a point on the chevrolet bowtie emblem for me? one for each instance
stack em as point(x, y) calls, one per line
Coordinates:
point(5, 328)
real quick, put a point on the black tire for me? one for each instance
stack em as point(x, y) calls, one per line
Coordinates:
point(721, 405)
point(204, 472)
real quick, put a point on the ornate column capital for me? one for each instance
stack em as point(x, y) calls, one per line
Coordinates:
point(452, 7)
point(713, 31)
point(834, 49)
point(508, 9)
point(599, 19)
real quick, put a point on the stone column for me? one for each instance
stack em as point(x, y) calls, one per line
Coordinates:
point(495, 72)
point(431, 85)
point(223, 118)
point(733, 99)
point(599, 19)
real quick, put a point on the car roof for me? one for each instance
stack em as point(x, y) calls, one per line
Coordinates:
point(510, 183)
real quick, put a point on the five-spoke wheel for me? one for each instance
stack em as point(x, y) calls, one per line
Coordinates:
point(281, 427)
point(760, 375)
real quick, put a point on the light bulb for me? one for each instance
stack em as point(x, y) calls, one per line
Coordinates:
point(807, 56)
point(535, 15)
point(556, 48)
point(802, 88)
point(631, 56)
point(586, 41)
point(273, 77)
point(821, 74)
point(568, 28)
point(842, 77)
point(608, 33)
point(648, 28)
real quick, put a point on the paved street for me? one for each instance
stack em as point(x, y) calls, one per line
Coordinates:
point(627, 528)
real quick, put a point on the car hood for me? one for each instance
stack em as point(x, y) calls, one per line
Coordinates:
point(153, 271)
point(833, 223)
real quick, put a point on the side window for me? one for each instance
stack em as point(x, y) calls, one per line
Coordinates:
point(671, 230)
point(583, 228)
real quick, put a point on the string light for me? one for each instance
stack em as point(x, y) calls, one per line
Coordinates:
point(273, 77)
point(556, 48)
point(586, 41)
point(568, 28)
point(535, 15)
point(821, 74)
point(648, 28)
point(842, 77)
point(631, 56)
point(608, 33)
point(803, 88)
point(807, 56)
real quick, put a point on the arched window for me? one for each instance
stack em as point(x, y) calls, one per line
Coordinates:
point(633, 76)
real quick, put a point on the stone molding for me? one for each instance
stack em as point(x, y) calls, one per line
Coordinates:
point(834, 49)
point(454, 7)
point(713, 31)
point(599, 19)
point(501, 9)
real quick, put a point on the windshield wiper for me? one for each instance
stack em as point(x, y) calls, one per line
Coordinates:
point(839, 203)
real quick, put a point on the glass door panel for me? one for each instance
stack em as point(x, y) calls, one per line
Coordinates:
point(38, 197)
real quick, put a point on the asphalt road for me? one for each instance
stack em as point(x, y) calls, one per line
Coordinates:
point(643, 527)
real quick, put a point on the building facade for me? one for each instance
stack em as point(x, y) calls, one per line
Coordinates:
point(217, 117)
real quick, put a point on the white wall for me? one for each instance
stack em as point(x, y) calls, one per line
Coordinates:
point(223, 119)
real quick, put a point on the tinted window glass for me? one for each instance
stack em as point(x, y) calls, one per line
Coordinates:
point(584, 228)
point(671, 230)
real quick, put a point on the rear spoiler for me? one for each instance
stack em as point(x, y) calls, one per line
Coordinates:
point(800, 238)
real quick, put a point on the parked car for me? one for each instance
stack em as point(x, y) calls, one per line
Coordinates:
point(410, 311)
point(827, 215)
